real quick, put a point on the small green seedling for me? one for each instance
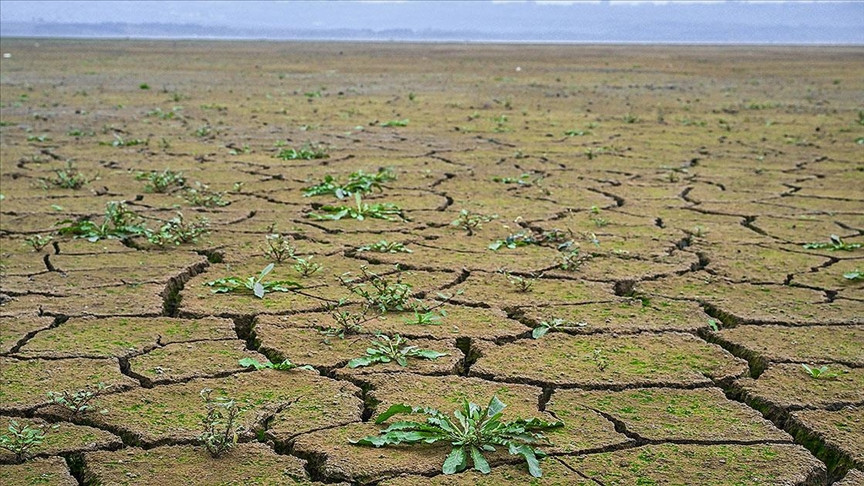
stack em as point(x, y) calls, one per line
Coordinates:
point(220, 429)
point(385, 211)
point(161, 182)
point(119, 222)
point(68, 178)
point(349, 322)
point(424, 317)
point(37, 242)
point(386, 295)
point(573, 259)
point(522, 284)
point(471, 221)
point(307, 152)
point(254, 284)
point(522, 238)
point(821, 373)
point(201, 195)
point(285, 365)
point(358, 182)
point(385, 246)
point(713, 324)
point(177, 231)
point(556, 324)
point(855, 275)
point(395, 123)
point(577, 133)
point(476, 430)
point(387, 349)
point(305, 266)
point(279, 248)
point(78, 401)
point(20, 440)
point(522, 180)
point(601, 361)
point(835, 244)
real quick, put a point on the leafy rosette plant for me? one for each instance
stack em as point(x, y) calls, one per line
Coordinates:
point(474, 431)
point(254, 284)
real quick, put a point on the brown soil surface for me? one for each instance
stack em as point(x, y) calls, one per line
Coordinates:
point(666, 195)
point(48, 471)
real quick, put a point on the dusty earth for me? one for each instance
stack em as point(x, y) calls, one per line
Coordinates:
point(689, 180)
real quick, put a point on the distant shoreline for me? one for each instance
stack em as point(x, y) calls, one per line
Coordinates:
point(365, 40)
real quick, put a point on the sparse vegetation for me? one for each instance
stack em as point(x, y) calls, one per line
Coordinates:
point(357, 183)
point(161, 182)
point(220, 429)
point(78, 401)
point(385, 211)
point(307, 152)
point(279, 248)
point(178, 231)
point(476, 430)
point(384, 246)
point(821, 373)
point(379, 291)
point(119, 222)
point(386, 349)
point(201, 195)
point(285, 365)
point(835, 243)
point(470, 221)
point(254, 284)
point(21, 440)
point(68, 178)
point(38, 242)
point(555, 325)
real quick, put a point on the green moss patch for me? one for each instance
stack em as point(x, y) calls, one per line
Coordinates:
point(817, 344)
point(716, 465)
point(63, 438)
point(51, 471)
point(497, 290)
point(246, 464)
point(14, 329)
point(24, 384)
point(757, 303)
point(183, 361)
point(836, 437)
point(595, 361)
point(123, 336)
point(622, 316)
point(174, 412)
point(554, 474)
point(665, 414)
point(307, 346)
point(790, 387)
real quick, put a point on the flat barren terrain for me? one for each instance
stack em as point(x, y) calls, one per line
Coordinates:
point(659, 247)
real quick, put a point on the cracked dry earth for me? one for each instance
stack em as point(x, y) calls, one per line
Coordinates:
point(689, 179)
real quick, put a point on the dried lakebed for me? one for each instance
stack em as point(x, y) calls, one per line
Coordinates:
point(648, 244)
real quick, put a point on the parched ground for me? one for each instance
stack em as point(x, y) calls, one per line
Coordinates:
point(670, 193)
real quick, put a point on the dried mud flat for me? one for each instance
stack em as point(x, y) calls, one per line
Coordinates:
point(689, 179)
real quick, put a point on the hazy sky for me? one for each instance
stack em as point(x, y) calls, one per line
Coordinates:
point(727, 21)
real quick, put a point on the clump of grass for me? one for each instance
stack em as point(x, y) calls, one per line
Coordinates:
point(254, 284)
point(119, 222)
point(161, 182)
point(220, 429)
point(386, 349)
point(279, 248)
point(68, 178)
point(307, 152)
point(835, 243)
point(384, 246)
point(470, 221)
point(361, 211)
point(78, 401)
point(357, 183)
point(201, 195)
point(177, 231)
